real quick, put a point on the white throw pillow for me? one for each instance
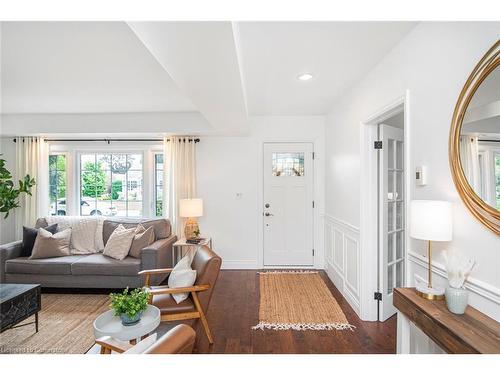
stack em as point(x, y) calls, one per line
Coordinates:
point(182, 276)
point(119, 243)
point(142, 345)
point(86, 236)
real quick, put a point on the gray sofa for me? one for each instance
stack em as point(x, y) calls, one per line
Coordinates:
point(94, 270)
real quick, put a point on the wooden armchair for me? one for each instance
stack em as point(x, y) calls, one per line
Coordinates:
point(207, 265)
point(179, 340)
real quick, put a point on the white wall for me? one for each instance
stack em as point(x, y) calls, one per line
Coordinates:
point(228, 166)
point(230, 183)
point(432, 62)
point(72, 124)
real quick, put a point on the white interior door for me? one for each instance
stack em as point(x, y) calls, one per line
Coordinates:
point(288, 204)
point(391, 217)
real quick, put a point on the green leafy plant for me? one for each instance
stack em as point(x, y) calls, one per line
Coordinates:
point(130, 303)
point(93, 180)
point(9, 195)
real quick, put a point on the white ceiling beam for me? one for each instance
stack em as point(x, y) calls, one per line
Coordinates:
point(202, 60)
point(159, 123)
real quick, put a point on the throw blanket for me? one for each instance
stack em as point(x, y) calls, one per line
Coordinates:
point(86, 232)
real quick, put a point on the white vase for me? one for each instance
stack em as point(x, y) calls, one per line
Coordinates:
point(456, 299)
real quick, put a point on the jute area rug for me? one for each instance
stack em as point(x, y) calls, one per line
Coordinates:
point(65, 326)
point(298, 300)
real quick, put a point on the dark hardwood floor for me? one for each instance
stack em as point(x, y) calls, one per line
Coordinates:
point(234, 309)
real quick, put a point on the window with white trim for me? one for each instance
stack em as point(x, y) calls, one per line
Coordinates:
point(158, 184)
point(111, 184)
point(57, 184)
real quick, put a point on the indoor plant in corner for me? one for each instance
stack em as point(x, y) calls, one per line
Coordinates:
point(9, 195)
point(130, 305)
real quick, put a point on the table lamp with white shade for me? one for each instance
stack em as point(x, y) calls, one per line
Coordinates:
point(430, 221)
point(191, 209)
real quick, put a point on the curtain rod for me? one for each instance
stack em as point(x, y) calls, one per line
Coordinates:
point(109, 140)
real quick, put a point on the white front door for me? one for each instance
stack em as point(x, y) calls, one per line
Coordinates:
point(288, 204)
point(391, 217)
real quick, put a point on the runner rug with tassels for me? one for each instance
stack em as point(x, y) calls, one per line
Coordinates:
point(298, 300)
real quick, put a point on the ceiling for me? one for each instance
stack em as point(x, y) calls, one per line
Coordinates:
point(337, 53)
point(225, 71)
point(79, 67)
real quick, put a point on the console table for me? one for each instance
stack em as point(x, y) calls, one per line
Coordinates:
point(472, 332)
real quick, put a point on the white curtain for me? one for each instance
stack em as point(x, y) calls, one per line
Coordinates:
point(179, 155)
point(32, 158)
point(469, 157)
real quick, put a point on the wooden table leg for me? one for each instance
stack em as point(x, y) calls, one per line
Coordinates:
point(133, 341)
point(145, 336)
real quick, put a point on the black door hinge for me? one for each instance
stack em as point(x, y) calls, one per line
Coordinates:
point(377, 296)
point(313, 204)
point(314, 154)
point(377, 145)
point(313, 252)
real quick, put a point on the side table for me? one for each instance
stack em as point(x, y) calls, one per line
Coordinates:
point(179, 245)
point(107, 324)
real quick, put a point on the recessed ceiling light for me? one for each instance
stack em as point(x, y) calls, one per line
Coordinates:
point(305, 77)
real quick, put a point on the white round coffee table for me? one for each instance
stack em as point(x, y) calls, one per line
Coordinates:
point(107, 324)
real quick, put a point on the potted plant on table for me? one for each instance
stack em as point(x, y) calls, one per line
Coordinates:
point(130, 305)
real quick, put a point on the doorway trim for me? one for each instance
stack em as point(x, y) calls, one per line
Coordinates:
point(369, 262)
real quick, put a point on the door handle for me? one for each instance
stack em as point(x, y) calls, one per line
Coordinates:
point(268, 214)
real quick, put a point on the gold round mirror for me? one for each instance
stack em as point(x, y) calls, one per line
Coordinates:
point(475, 141)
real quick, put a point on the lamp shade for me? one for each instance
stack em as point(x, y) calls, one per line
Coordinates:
point(431, 220)
point(191, 207)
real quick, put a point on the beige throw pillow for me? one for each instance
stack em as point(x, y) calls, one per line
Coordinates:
point(48, 245)
point(119, 243)
point(143, 237)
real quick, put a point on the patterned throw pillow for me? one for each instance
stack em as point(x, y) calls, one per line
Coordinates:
point(119, 243)
point(48, 245)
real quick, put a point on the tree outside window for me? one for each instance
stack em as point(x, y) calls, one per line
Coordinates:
point(57, 184)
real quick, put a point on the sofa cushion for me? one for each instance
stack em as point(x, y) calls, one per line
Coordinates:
point(29, 238)
point(48, 245)
point(98, 264)
point(47, 266)
point(167, 304)
point(143, 238)
point(86, 236)
point(161, 227)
